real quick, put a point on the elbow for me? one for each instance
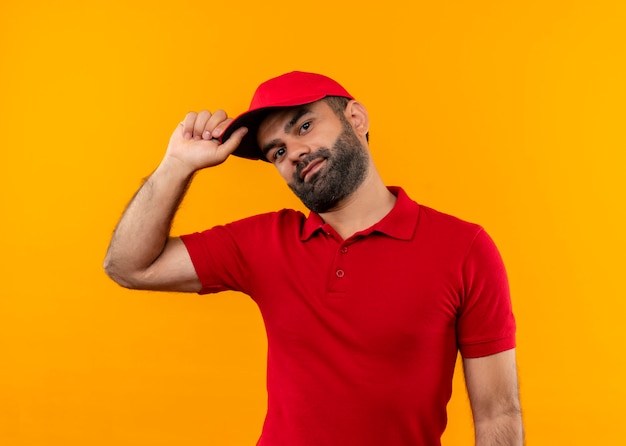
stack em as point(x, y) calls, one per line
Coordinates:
point(119, 275)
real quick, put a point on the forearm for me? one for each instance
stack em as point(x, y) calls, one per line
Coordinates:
point(143, 230)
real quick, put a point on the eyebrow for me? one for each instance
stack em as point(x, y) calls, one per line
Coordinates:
point(267, 147)
point(299, 113)
point(296, 116)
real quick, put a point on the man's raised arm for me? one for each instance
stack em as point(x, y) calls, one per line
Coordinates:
point(141, 254)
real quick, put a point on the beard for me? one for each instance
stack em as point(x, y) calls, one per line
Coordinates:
point(345, 170)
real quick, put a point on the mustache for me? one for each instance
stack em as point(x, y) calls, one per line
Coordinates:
point(322, 152)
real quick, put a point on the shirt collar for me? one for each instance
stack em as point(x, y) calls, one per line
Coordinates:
point(399, 223)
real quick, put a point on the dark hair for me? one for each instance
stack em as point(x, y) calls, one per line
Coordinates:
point(338, 104)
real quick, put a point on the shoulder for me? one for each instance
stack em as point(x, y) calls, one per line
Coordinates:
point(428, 216)
point(250, 232)
point(449, 225)
point(431, 226)
point(463, 235)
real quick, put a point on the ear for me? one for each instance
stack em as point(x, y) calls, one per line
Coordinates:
point(356, 114)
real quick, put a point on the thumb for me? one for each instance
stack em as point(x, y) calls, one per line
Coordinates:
point(231, 144)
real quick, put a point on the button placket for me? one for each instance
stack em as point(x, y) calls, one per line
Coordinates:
point(338, 272)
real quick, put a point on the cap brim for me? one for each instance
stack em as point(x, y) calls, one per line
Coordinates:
point(248, 148)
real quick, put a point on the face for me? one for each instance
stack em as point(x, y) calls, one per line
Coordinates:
point(320, 168)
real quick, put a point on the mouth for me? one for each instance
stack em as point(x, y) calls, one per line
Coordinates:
point(311, 168)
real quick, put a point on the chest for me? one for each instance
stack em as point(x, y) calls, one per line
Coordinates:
point(376, 294)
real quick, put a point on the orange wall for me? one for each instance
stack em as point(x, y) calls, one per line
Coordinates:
point(510, 114)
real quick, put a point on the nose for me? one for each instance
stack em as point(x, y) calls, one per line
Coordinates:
point(296, 150)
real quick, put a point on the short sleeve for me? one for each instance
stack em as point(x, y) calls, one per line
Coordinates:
point(217, 260)
point(486, 324)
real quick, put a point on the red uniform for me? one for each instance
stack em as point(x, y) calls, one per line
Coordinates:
point(363, 333)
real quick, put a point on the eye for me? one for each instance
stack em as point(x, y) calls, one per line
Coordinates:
point(278, 153)
point(305, 127)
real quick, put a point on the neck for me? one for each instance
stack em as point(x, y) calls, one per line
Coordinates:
point(363, 208)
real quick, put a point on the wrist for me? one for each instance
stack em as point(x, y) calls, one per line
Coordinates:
point(175, 169)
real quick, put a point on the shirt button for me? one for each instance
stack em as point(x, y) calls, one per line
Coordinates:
point(344, 249)
point(340, 273)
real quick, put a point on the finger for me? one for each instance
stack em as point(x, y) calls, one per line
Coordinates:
point(199, 127)
point(219, 129)
point(188, 124)
point(231, 144)
point(216, 118)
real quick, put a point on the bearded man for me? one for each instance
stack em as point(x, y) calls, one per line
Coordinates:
point(366, 301)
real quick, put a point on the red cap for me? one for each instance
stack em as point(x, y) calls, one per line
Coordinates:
point(288, 90)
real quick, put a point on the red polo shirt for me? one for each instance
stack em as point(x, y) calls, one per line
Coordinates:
point(362, 333)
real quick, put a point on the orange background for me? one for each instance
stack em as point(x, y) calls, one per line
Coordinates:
point(510, 114)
